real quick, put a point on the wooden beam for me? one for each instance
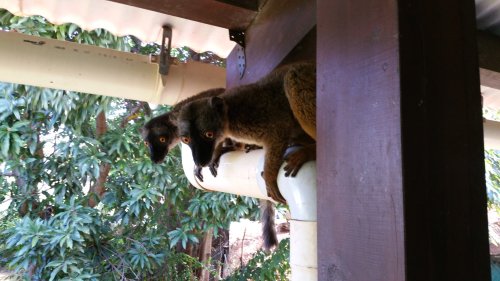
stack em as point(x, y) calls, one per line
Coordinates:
point(489, 59)
point(360, 195)
point(252, 5)
point(276, 31)
point(304, 50)
point(488, 46)
point(211, 12)
point(444, 185)
point(400, 129)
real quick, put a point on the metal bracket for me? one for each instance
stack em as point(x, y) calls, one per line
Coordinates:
point(165, 50)
point(241, 60)
point(237, 36)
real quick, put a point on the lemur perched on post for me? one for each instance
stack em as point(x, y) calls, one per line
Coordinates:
point(160, 135)
point(275, 112)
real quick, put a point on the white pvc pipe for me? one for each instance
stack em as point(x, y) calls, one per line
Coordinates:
point(187, 79)
point(300, 194)
point(51, 63)
point(240, 173)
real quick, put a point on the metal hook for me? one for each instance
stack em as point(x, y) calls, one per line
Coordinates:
point(165, 51)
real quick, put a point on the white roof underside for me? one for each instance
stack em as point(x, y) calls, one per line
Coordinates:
point(126, 20)
point(491, 97)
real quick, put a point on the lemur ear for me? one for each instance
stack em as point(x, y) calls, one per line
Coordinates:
point(217, 103)
point(172, 119)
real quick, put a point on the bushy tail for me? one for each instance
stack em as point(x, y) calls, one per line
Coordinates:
point(267, 212)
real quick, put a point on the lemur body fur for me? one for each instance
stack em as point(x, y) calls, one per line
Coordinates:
point(160, 135)
point(275, 112)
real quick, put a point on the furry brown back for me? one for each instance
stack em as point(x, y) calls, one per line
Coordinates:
point(257, 113)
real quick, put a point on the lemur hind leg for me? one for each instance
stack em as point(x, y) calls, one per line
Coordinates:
point(273, 160)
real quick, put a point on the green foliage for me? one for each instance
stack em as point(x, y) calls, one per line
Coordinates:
point(492, 167)
point(492, 160)
point(266, 267)
point(50, 156)
point(181, 267)
point(57, 246)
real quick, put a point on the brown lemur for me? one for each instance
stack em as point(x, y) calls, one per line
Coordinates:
point(160, 135)
point(259, 113)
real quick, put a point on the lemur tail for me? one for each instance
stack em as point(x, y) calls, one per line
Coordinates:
point(267, 212)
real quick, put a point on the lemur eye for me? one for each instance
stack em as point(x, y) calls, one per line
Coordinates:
point(163, 139)
point(146, 143)
point(186, 140)
point(209, 134)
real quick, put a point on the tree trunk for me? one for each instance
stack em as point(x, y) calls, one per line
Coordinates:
point(205, 254)
point(99, 188)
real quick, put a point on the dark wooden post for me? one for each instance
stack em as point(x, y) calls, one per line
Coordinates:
point(400, 164)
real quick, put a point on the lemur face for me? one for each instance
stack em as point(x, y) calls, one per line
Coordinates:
point(200, 127)
point(160, 135)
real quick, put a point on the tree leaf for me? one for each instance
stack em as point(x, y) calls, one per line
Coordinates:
point(6, 145)
point(34, 241)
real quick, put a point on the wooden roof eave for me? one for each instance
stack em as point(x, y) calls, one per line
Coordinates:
point(223, 13)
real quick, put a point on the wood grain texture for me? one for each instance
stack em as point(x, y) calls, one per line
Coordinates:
point(360, 199)
point(277, 29)
point(399, 128)
point(444, 186)
point(488, 46)
point(210, 12)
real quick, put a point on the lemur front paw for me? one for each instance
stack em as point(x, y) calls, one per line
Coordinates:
point(213, 166)
point(250, 147)
point(197, 172)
